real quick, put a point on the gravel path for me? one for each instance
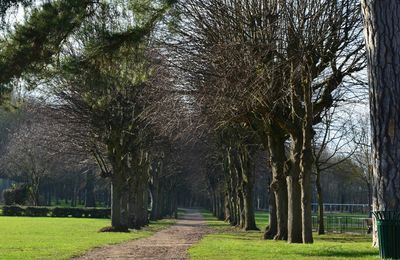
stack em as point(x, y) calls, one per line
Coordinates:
point(171, 243)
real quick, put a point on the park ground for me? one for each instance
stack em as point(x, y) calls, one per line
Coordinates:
point(63, 238)
point(227, 242)
point(60, 238)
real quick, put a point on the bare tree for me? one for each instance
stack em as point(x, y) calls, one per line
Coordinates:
point(274, 65)
point(333, 144)
point(362, 155)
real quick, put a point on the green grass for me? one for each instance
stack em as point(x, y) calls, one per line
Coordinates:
point(230, 243)
point(60, 238)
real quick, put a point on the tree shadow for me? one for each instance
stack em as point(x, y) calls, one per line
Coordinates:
point(344, 238)
point(351, 254)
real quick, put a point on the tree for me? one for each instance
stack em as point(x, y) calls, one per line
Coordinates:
point(362, 154)
point(275, 65)
point(75, 47)
point(335, 142)
point(36, 152)
point(382, 41)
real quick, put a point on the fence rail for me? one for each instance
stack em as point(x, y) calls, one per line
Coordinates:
point(349, 208)
point(342, 224)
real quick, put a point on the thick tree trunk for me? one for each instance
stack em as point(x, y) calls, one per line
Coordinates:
point(381, 23)
point(305, 183)
point(138, 202)
point(276, 141)
point(272, 228)
point(249, 216)
point(119, 212)
point(247, 175)
point(294, 194)
point(234, 197)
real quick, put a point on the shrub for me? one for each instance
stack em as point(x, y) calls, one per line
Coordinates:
point(37, 211)
point(98, 213)
point(56, 212)
point(81, 212)
point(21, 194)
point(76, 212)
point(60, 212)
point(16, 195)
point(8, 196)
point(13, 211)
point(66, 212)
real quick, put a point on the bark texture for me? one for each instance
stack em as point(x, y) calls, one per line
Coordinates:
point(382, 38)
point(321, 224)
point(276, 142)
point(294, 193)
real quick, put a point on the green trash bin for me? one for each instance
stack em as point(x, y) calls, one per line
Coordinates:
point(388, 225)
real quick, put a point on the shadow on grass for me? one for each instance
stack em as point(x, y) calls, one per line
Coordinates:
point(351, 254)
point(344, 238)
point(239, 236)
point(222, 225)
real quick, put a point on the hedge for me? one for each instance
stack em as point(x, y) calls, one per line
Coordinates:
point(56, 212)
point(13, 211)
point(37, 211)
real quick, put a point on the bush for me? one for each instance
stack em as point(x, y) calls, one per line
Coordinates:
point(16, 195)
point(76, 212)
point(13, 211)
point(9, 198)
point(60, 212)
point(97, 213)
point(21, 194)
point(56, 212)
point(37, 211)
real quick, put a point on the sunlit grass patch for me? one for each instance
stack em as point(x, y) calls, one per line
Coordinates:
point(231, 243)
point(60, 238)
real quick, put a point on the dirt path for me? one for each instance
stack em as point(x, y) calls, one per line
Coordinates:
point(171, 243)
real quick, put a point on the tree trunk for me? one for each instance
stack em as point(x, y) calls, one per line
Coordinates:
point(155, 189)
point(272, 228)
point(221, 206)
point(119, 218)
point(213, 203)
point(241, 215)
point(35, 190)
point(247, 175)
point(305, 183)
point(249, 219)
point(89, 189)
point(381, 23)
point(138, 202)
point(294, 194)
point(276, 141)
point(227, 208)
point(234, 197)
point(155, 192)
point(321, 224)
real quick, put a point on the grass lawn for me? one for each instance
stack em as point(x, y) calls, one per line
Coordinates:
point(231, 243)
point(60, 238)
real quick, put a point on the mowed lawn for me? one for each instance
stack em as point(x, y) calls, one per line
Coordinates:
point(60, 238)
point(231, 243)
